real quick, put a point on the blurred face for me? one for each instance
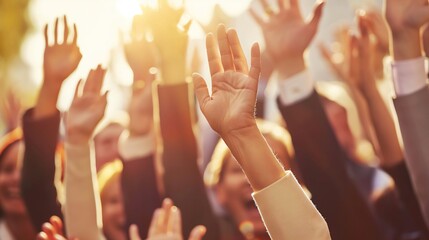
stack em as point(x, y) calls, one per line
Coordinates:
point(113, 210)
point(10, 178)
point(106, 144)
point(337, 116)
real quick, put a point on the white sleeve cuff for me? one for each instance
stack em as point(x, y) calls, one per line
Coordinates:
point(131, 148)
point(409, 76)
point(296, 88)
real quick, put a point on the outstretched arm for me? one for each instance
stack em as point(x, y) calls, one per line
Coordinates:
point(230, 112)
point(38, 170)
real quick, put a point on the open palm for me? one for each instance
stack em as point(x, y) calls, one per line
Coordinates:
point(231, 105)
point(87, 109)
point(61, 59)
point(286, 33)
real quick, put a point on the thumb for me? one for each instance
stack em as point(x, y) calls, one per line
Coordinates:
point(317, 14)
point(134, 232)
point(200, 88)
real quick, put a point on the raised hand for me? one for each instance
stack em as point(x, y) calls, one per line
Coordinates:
point(87, 109)
point(287, 35)
point(53, 230)
point(405, 19)
point(231, 105)
point(140, 53)
point(141, 108)
point(171, 40)
point(61, 59)
point(167, 225)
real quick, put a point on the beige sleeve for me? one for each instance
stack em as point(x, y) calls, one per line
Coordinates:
point(288, 213)
point(82, 209)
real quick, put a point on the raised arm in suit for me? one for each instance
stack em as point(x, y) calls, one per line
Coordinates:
point(41, 126)
point(405, 19)
point(137, 145)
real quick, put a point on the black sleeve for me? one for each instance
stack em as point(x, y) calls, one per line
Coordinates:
point(140, 192)
point(182, 178)
point(38, 169)
point(322, 163)
point(406, 192)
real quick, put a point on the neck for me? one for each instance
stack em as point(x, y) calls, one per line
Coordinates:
point(20, 227)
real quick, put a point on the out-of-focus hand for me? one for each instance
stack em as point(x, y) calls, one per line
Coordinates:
point(53, 230)
point(426, 40)
point(60, 59)
point(405, 19)
point(231, 105)
point(141, 108)
point(287, 34)
point(11, 110)
point(167, 225)
point(170, 39)
point(87, 109)
point(140, 53)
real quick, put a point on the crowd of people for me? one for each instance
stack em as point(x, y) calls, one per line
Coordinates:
point(302, 177)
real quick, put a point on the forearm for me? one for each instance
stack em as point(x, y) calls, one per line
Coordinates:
point(406, 45)
point(390, 149)
point(182, 179)
point(82, 210)
point(47, 101)
point(38, 170)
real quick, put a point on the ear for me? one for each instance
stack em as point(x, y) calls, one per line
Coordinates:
point(221, 195)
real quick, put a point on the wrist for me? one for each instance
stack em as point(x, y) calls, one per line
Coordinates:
point(290, 67)
point(406, 45)
point(77, 138)
point(47, 101)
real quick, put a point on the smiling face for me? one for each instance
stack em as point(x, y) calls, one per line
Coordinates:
point(113, 210)
point(10, 178)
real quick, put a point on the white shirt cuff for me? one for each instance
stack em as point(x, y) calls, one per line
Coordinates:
point(131, 148)
point(296, 88)
point(409, 76)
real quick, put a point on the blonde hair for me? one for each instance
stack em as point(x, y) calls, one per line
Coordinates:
point(108, 173)
point(212, 174)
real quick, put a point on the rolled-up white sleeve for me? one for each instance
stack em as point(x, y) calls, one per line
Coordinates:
point(288, 213)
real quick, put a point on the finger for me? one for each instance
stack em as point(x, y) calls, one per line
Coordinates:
point(201, 90)
point(42, 236)
point(255, 65)
point(57, 224)
point(225, 49)
point(264, 4)
point(317, 14)
point(48, 229)
point(281, 4)
point(256, 17)
point(175, 222)
point(99, 79)
point(56, 31)
point(46, 36)
point(89, 86)
point(213, 55)
point(294, 4)
point(198, 233)
point(76, 91)
point(167, 204)
point(74, 34)
point(134, 232)
point(153, 228)
point(66, 30)
point(240, 61)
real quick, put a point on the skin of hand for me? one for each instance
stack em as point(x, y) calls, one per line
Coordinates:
point(405, 19)
point(140, 53)
point(53, 230)
point(11, 110)
point(230, 107)
point(282, 30)
point(167, 225)
point(87, 109)
point(59, 61)
point(171, 41)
